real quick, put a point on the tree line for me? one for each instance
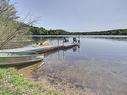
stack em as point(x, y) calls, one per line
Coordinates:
point(108, 32)
point(42, 31)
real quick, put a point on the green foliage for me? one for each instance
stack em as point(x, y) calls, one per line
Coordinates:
point(42, 31)
point(37, 31)
point(11, 30)
point(57, 32)
point(109, 32)
point(11, 83)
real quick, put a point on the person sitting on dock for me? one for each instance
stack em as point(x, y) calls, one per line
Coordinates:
point(74, 40)
point(65, 40)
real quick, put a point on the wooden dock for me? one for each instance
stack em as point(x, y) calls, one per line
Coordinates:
point(41, 49)
point(35, 58)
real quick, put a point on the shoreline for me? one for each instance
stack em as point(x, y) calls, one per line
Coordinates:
point(13, 83)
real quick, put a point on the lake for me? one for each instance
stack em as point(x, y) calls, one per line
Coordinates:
point(97, 67)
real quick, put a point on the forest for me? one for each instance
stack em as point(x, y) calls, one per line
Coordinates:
point(42, 31)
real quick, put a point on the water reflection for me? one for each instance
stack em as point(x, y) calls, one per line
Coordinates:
point(97, 67)
point(28, 69)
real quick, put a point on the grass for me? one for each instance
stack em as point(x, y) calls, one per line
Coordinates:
point(11, 83)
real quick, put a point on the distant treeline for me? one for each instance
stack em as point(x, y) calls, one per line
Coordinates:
point(42, 31)
point(108, 32)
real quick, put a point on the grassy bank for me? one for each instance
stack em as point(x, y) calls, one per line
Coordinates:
point(12, 83)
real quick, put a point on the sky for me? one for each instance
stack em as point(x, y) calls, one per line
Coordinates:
point(75, 15)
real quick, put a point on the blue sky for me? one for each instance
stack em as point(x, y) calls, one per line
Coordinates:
point(75, 15)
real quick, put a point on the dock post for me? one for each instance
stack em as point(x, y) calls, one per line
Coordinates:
point(78, 38)
point(63, 42)
point(58, 42)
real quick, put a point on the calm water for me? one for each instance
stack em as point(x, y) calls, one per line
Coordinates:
point(97, 67)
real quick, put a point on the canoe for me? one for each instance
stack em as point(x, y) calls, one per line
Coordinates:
point(18, 54)
point(16, 62)
point(19, 58)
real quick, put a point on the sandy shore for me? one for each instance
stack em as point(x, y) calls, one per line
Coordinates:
point(83, 79)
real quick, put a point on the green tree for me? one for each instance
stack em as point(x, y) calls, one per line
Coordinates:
point(10, 29)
